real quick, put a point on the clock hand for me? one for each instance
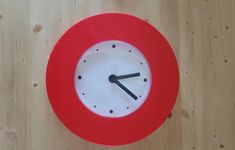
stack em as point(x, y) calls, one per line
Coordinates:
point(127, 76)
point(126, 90)
point(114, 79)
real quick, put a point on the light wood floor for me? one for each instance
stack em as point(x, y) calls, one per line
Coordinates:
point(201, 32)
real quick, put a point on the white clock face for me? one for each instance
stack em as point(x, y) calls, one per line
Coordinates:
point(112, 79)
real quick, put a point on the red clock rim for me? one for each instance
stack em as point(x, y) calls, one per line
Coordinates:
point(61, 69)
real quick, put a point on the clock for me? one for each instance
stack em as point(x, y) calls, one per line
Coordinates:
point(112, 79)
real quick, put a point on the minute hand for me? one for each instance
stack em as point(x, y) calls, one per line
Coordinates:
point(127, 76)
point(126, 90)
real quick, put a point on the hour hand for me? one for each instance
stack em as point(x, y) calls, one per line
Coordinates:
point(127, 76)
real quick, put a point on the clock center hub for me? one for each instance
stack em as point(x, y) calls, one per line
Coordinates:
point(112, 78)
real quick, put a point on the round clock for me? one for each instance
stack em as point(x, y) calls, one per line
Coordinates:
point(112, 79)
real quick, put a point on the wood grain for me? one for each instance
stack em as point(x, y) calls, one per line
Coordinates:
point(201, 32)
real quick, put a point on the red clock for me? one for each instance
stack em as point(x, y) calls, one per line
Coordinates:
point(112, 79)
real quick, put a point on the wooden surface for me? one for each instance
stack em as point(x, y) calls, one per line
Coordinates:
point(201, 32)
